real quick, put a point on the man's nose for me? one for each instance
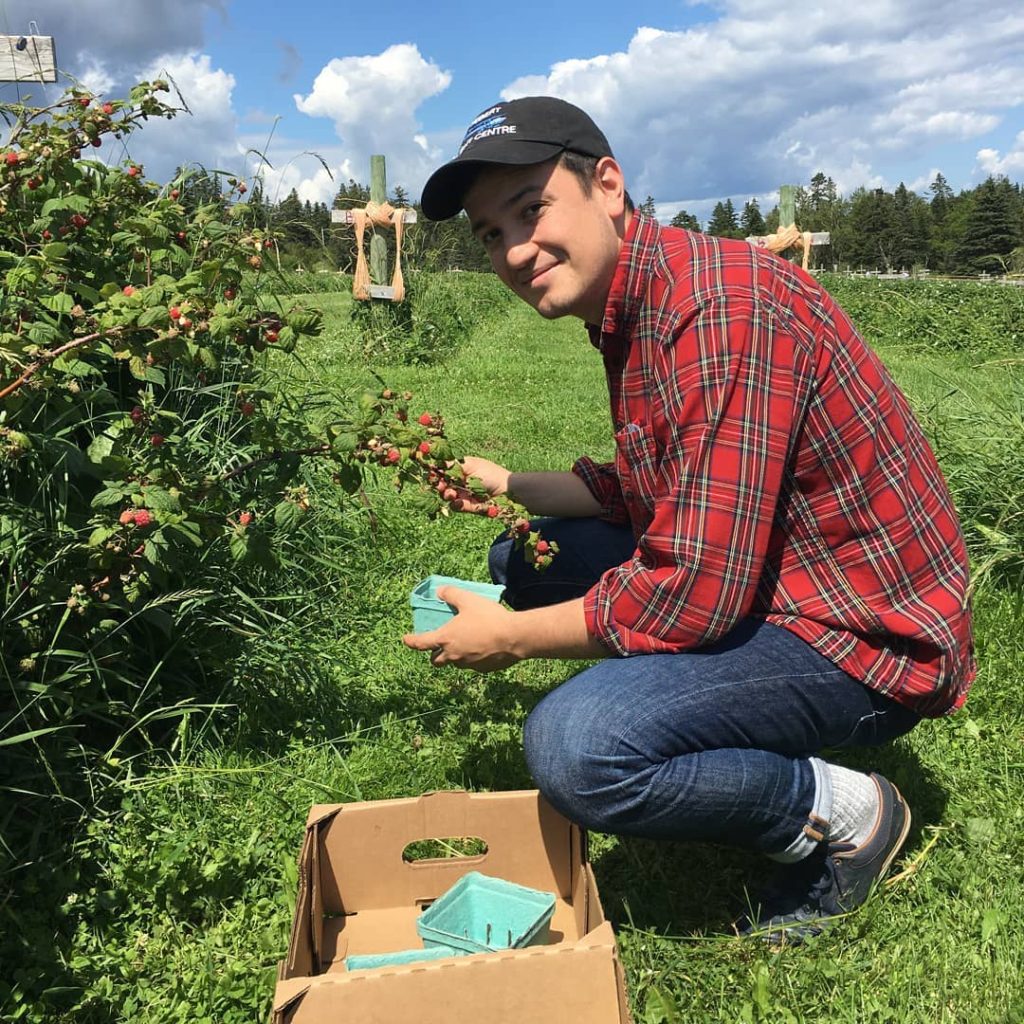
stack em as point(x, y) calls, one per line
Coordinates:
point(520, 250)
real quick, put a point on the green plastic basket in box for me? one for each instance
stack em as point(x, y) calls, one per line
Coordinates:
point(429, 611)
point(480, 914)
point(373, 961)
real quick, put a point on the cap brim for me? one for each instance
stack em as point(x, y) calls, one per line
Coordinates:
point(445, 190)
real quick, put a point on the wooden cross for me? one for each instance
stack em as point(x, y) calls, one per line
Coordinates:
point(378, 246)
point(788, 234)
point(27, 59)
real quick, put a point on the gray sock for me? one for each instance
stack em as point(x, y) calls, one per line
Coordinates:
point(855, 805)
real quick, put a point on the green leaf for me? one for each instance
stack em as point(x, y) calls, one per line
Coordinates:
point(100, 536)
point(287, 515)
point(102, 445)
point(55, 251)
point(75, 203)
point(60, 302)
point(349, 478)
point(109, 496)
point(159, 498)
point(239, 546)
point(151, 316)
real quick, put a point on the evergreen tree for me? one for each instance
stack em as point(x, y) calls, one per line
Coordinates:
point(647, 207)
point(685, 220)
point(723, 220)
point(993, 228)
point(909, 229)
point(751, 221)
point(871, 237)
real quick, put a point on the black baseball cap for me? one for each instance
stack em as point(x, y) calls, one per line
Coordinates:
point(526, 131)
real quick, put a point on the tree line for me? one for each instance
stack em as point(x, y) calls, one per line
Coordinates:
point(978, 230)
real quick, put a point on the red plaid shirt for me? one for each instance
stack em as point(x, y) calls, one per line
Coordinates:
point(769, 467)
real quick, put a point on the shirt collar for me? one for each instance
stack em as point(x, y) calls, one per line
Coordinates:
point(629, 284)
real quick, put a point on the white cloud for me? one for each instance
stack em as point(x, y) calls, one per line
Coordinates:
point(774, 92)
point(207, 135)
point(991, 162)
point(373, 100)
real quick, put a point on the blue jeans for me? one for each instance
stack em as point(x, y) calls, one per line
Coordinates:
point(712, 744)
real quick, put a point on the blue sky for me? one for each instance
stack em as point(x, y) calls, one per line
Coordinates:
point(700, 101)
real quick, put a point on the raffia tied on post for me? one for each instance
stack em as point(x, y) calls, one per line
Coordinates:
point(380, 215)
point(785, 238)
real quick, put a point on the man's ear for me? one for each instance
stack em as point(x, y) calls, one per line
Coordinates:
point(610, 185)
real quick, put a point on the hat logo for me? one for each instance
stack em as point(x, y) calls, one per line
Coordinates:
point(485, 129)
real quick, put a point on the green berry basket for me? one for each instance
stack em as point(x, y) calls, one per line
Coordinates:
point(429, 611)
point(480, 914)
point(373, 961)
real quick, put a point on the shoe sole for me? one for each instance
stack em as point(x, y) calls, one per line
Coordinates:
point(898, 845)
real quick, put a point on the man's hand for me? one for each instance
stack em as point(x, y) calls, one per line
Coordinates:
point(479, 637)
point(545, 493)
point(485, 637)
point(492, 477)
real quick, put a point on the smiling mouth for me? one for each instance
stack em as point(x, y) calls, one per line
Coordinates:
point(530, 281)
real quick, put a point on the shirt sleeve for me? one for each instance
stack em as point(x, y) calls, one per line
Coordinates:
point(710, 468)
point(602, 480)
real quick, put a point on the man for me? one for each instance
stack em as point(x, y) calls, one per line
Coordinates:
point(771, 566)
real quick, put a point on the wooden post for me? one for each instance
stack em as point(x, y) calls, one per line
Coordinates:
point(787, 205)
point(378, 246)
point(787, 234)
point(27, 59)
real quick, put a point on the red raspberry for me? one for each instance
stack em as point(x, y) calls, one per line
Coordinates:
point(137, 414)
point(174, 195)
point(393, 455)
point(78, 220)
point(134, 172)
point(184, 323)
point(522, 526)
point(126, 517)
point(424, 447)
point(11, 158)
point(156, 440)
point(108, 108)
point(84, 101)
point(493, 511)
point(97, 142)
point(244, 518)
point(543, 547)
point(248, 408)
point(426, 419)
point(271, 336)
point(174, 313)
point(229, 293)
point(47, 236)
point(142, 517)
point(128, 290)
point(242, 189)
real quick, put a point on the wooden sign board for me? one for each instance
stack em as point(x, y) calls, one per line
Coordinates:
point(27, 59)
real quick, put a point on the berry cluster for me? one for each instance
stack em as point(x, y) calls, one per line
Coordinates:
point(422, 455)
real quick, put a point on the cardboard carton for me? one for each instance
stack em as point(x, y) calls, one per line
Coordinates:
point(358, 895)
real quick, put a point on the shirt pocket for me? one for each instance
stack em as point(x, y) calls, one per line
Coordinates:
point(637, 463)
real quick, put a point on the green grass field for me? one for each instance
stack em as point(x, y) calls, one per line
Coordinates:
point(183, 905)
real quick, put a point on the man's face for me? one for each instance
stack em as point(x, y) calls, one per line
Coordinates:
point(554, 244)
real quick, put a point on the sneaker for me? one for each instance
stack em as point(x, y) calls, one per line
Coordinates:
point(802, 899)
